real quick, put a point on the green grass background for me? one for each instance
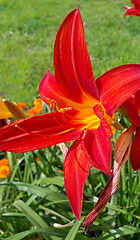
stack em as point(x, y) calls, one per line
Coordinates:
point(27, 33)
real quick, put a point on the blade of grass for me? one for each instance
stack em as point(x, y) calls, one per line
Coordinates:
point(14, 171)
point(30, 188)
point(57, 180)
point(72, 233)
point(119, 232)
point(54, 213)
point(33, 217)
point(50, 231)
point(13, 162)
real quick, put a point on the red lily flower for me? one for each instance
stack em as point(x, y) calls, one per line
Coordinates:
point(81, 110)
point(133, 11)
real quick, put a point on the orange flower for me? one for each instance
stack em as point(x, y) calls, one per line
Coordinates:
point(21, 106)
point(37, 107)
point(31, 111)
point(38, 101)
point(37, 159)
point(4, 168)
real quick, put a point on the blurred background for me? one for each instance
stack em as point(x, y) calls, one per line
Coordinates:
point(27, 35)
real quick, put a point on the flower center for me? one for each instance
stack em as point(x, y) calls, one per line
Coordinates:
point(82, 118)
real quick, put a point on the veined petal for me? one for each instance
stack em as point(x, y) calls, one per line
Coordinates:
point(48, 89)
point(122, 150)
point(117, 85)
point(97, 145)
point(76, 170)
point(135, 151)
point(35, 132)
point(72, 64)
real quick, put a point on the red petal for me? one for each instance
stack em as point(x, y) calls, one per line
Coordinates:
point(98, 146)
point(136, 4)
point(48, 88)
point(35, 132)
point(122, 149)
point(137, 100)
point(135, 151)
point(117, 85)
point(76, 168)
point(132, 12)
point(131, 109)
point(72, 64)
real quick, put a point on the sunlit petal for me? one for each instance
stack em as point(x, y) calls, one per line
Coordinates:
point(35, 132)
point(98, 146)
point(117, 85)
point(48, 89)
point(72, 64)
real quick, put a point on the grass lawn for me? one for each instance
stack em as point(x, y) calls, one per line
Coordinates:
point(27, 34)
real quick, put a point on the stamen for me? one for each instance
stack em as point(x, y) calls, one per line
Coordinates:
point(60, 111)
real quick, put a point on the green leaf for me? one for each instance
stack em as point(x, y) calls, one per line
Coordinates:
point(58, 180)
point(33, 217)
point(11, 214)
point(117, 209)
point(72, 233)
point(30, 188)
point(54, 213)
point(50, 231)
point(119, 232)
